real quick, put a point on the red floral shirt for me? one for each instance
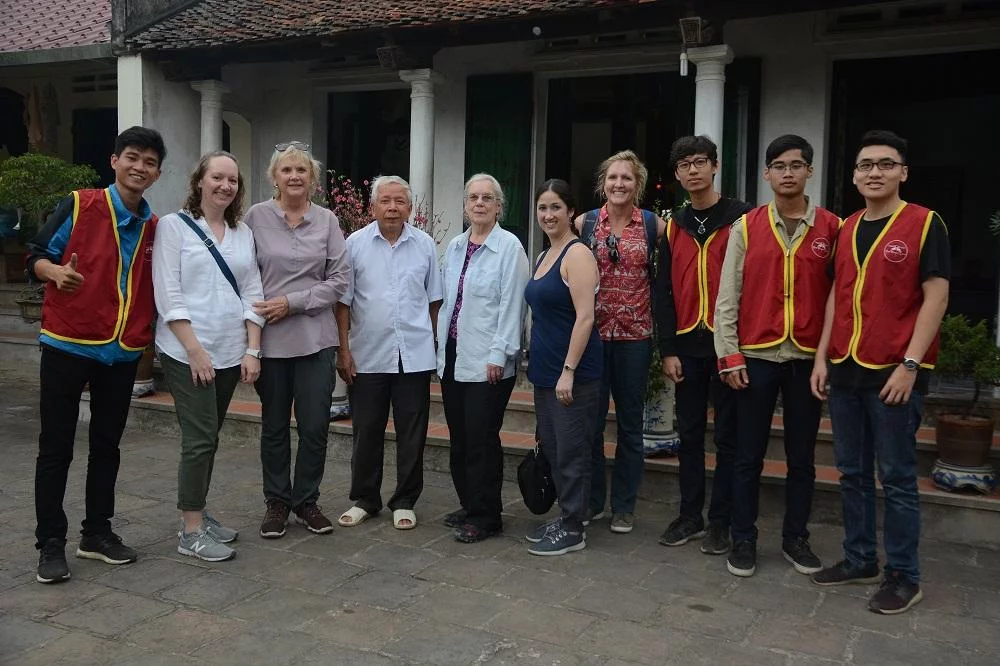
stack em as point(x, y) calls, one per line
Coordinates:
point(623, 309)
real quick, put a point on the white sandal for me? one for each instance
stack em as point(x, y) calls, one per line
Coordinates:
point(399, 515)
point(353, 517)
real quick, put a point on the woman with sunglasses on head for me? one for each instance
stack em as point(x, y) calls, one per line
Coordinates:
point(485, 271)
point(565, 366)
point(622, 237)
point(302, 256)
point(207, 334)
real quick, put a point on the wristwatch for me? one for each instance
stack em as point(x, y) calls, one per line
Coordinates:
point(911, 364)
point(252, 352)
point(569, 368)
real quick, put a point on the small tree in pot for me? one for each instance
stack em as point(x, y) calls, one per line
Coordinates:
point(967, 352)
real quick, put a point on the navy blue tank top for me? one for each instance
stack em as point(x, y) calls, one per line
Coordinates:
point(552, 320)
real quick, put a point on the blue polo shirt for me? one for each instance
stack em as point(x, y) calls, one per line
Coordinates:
point(129, 231)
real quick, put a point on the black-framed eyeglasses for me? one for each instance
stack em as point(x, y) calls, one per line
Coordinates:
point(297, 145)
point(795, 166)
point(612, 243)
point(697, 163)
point(864, 166)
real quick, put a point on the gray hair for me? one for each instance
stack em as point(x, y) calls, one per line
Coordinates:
point(497, 191)
point(387, 180)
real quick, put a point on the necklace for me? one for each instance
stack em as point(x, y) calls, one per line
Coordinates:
point(701, 222)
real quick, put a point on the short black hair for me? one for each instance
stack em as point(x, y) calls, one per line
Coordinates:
point(787, 142)
point(142, 138)
point(561, 189)
point(686, 146)
point(884, 138)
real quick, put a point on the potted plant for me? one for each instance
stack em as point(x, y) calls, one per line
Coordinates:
point(964, 439)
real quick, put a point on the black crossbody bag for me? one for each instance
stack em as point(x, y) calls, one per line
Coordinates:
point(210, 244)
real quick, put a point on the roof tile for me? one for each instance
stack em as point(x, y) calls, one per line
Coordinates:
point(29, 25)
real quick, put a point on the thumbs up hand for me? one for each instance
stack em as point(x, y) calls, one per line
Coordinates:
point(66, 277)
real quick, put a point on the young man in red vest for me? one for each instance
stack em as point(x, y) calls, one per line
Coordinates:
point(768, 322)
point(891, 270)
point(690, 265)
point(95, 253)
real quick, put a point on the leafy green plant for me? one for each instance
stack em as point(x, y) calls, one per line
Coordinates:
point(35, 183)
point(994, 223)
point(968, 351)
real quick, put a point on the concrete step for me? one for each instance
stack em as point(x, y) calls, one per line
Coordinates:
point(962, 517)
point(9, 293)
point(19, 349)
point(11, 321)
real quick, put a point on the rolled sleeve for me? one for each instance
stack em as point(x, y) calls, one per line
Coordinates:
point(251, 288)
point(167, 291)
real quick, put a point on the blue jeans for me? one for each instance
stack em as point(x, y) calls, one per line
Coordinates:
point(866, 430)
point(626, 366)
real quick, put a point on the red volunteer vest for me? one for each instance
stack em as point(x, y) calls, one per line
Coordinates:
point(695, 271)
point(877, 298)
point(98, 313)
point(785, 290)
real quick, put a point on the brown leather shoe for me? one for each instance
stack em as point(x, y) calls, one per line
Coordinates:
point(313, 519)
point(273, 525)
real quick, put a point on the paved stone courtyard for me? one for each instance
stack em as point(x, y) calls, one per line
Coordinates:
point(375, 595)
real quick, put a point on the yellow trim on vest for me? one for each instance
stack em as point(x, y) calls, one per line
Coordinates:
point(76, 210)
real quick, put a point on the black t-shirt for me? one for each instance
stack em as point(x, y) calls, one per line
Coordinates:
point(699, 224)
point(935, 261)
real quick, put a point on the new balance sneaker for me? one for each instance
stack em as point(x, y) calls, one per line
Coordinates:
point(682, 530)
point(538, 532)
point(743, 560)
point(219, 532)
point(622, 523)
point(275, 519)
point(106, 548)
point(800, 555)
point(52, 567)
point(717, 540)
point(895, 595)
point(845, 573)
point(456, 519)
point(312, 517)
point(558, 541)
point(204, 546)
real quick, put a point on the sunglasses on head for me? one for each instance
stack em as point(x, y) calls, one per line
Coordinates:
point(297, 145)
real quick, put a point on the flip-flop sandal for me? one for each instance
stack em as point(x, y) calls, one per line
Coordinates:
point(399, 515)
point(353, 517)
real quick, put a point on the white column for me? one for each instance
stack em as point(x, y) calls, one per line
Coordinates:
point(709, 89)
point(129, 91)
point(421, 136)
point(211, 113)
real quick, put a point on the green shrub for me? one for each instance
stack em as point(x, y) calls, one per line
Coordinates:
point(968, 351)
point(35, 183)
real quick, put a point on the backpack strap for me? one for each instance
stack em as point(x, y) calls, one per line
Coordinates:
point(649, 222)
point(210, 244)
point(589, 232)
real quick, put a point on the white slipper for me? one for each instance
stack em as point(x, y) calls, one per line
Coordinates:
point(353, 517)
point(399, 515)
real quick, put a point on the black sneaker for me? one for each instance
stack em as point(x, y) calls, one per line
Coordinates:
point(800, 555)
point(682, 530)
point(456, 519)
point(895, 595)
point(470, 533)
point(844, 573)
point(743, 560)
point(313, 519)
point(275, 519)
point(106, 548)
point(52, 567)
point(717, 541)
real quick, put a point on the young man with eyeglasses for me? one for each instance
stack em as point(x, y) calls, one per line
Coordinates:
point(890, 291)
point(688, 277)
point(768, 322)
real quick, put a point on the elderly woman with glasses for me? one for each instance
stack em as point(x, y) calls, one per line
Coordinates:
point(485, 272)
point(304, 269)
point(622, 237)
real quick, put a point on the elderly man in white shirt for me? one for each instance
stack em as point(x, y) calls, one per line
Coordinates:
point(387, 322)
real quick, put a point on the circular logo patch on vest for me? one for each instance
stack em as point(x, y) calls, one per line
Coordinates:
point(821, 247)
point(896, 251)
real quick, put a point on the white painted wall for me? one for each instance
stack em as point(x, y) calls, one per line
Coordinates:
point(449, 155)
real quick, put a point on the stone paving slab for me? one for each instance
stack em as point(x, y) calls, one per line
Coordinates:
point(380, 596)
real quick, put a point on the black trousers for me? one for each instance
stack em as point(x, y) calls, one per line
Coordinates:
point(63, 377)
point(701, 381)
point(308, 382)
point(801, 413)
point(371, 395)
point(474, 411)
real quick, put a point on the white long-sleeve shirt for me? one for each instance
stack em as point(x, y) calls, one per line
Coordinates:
point(188, 284)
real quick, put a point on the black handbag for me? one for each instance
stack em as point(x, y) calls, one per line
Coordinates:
point(534, 477)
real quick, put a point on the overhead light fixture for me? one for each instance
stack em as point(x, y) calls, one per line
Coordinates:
point(690, 36)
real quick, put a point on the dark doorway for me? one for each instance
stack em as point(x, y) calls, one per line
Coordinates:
point(13, 133)
point(369, 134)
point(947, 111)
point(94, 132)
point(590, 118)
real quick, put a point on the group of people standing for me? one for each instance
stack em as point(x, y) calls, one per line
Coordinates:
point(742, 302)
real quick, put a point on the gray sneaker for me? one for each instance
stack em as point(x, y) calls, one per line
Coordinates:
point(203, 545)
point(219, 532)
point(538, 532)
point(622, 523)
